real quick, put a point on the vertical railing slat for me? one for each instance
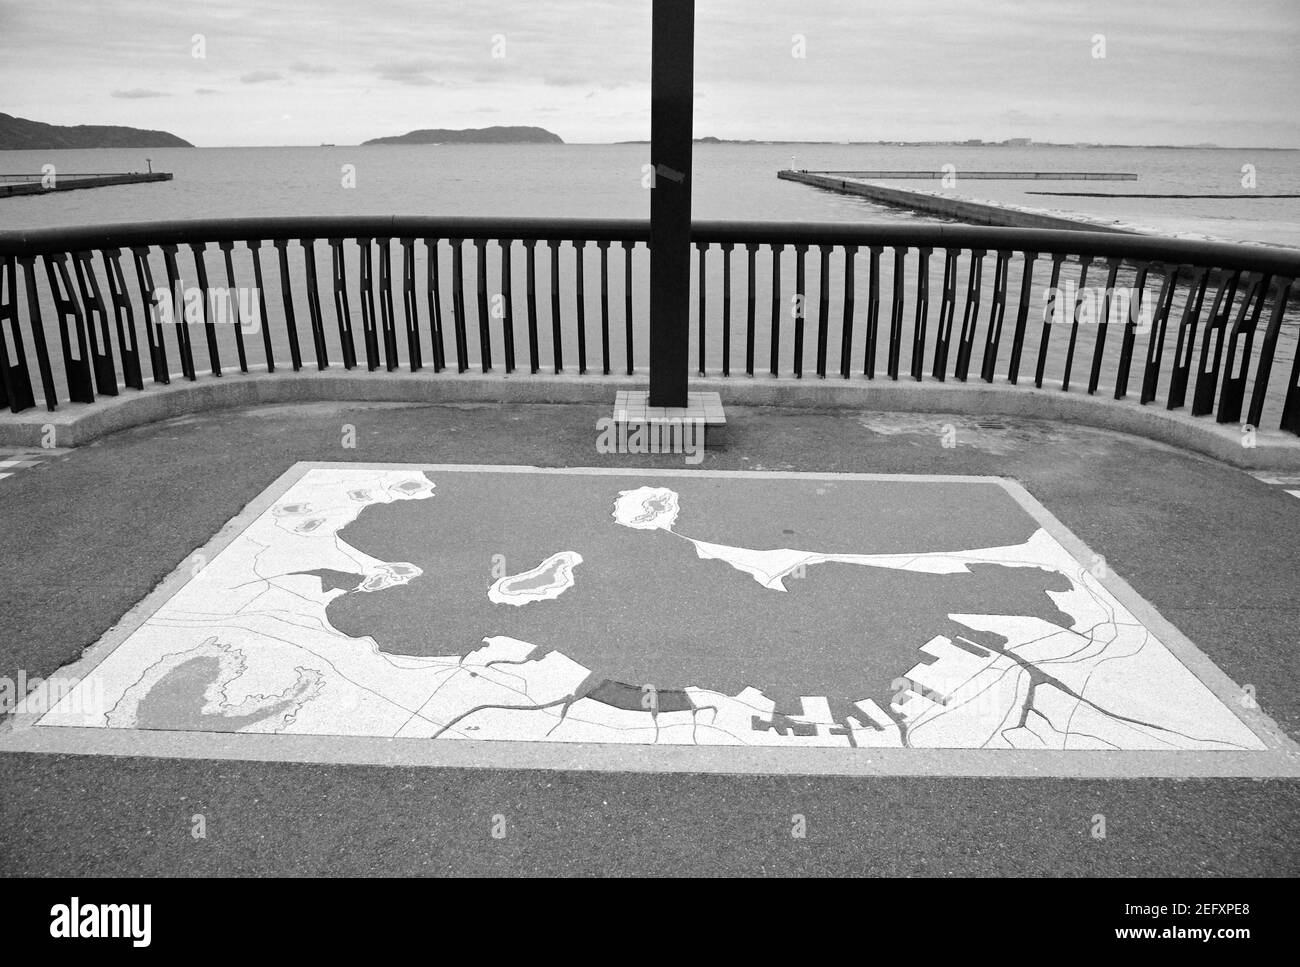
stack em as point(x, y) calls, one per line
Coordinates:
point(1234, 386)
point(751, 250)
point(507, 307)
point(433, 294)
point(530, 272)
point(726, 308)
point(1129, 337)
point(92, 303)
point(872, 335)
point(314, 314)
point(1291, 404)
point(152, 301)
point(388, 317)
point(823, 308)
point(458, 303)
point(1049, 316)
point(286, 291)
point(128, 341)
point(970, 315)
point(369, 331)
point(702, 294)
point(15, 378)
point(557, 325)
point(233, 303)
point(1094, 375)
point(997, 312)
point(603, 247)
point(176, 290)
point(67, 309)
point(1022, 317)
point(775, 358)
point(1156, 344)
point(799, 305)
point(411, 306)
point(947, 309)
point(255, 247)
point(627, 302)
point(342, 310)
point(579, 256)
point(38, 332)
point(846, 322)
point(1185, 349)
point(1267, 351)
point(896, 311)
point(1085, 262)
point(480, 284)
point(1207, 371)
point(921, 320)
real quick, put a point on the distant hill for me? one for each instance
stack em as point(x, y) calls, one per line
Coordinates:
point(493, 135)
point(22, 134)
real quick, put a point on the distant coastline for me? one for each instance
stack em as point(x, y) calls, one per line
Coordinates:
point(22, 134)
point(491, 135)
point(977, 143)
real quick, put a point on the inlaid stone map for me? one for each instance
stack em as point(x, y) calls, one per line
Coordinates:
point(475, 604)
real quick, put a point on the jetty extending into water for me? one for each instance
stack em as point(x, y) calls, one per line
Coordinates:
point(972, 212)
point(990, 175)
point(40, 184)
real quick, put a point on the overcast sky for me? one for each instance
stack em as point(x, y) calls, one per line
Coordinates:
point(341, 71)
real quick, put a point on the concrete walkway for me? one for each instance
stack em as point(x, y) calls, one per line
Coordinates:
point(90, 532)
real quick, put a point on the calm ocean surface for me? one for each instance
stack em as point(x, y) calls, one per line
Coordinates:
point(595, 181)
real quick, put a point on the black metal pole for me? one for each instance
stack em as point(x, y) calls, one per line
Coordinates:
point(672, 86)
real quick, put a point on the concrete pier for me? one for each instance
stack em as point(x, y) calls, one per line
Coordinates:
point(992, 175)
point(72, 182)
point(972, 212)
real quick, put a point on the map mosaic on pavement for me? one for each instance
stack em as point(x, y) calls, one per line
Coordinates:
point(707, 609)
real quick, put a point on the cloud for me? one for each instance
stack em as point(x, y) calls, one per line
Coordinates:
point(301, 67)
point(410, 72)
point(139, 92)
point(921, 70)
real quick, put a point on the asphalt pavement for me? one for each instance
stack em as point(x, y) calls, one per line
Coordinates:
point(89, 532)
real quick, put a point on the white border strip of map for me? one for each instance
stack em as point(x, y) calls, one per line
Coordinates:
point(1281, 757)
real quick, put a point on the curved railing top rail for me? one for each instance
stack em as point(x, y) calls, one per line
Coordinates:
point(1171, 251)
point(215, 230)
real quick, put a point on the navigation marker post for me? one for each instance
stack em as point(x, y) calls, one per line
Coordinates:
point(672, 91)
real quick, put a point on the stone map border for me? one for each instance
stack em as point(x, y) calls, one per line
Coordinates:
point(1280, 758)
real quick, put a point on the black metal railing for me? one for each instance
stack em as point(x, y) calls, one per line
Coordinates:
point(1211, 327)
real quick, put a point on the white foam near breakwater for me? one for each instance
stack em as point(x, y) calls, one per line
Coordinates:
point(1085, 219)
point(1126, 225)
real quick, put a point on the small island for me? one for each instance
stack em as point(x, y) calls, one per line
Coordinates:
point(21, 134)
point(492, 135)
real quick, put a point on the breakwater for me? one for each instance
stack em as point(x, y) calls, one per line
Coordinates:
point(41, 184)
point(971, 212)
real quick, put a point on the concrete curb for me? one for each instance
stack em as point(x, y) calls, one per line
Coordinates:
point(76, 424)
